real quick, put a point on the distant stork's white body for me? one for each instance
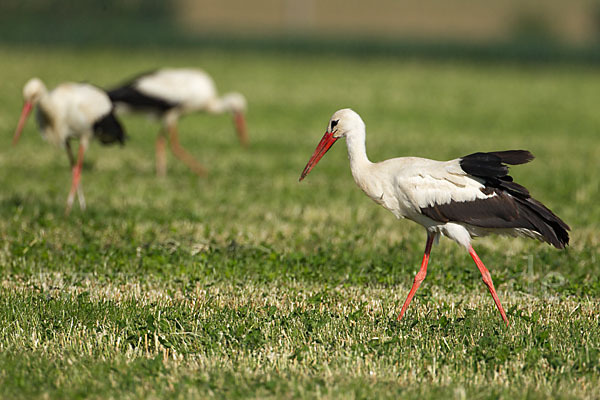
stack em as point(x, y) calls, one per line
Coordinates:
point(71, 111)
point(461, 198)
point(171, 93)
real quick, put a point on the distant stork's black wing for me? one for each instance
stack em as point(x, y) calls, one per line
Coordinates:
point(509, 204)
point(130, 95)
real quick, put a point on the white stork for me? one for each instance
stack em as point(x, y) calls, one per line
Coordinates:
point(461, 198)
point(71, 111)
point(171, 93)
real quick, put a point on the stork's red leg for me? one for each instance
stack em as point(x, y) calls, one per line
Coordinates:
point(161, 156)
point(183, 155)
point(487, 279)
point(420, 275)
point(72, 162)
point(75, 179)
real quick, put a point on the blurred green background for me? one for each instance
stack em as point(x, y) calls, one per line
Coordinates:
point(538, 30)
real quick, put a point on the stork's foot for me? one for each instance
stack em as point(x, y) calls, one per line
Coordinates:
point(69, 206)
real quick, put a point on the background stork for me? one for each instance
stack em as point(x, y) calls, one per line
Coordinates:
point(171, 93)
point(461, 198)
point(71, 111)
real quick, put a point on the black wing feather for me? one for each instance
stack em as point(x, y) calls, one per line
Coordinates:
point(130, 95)
point(511, 207)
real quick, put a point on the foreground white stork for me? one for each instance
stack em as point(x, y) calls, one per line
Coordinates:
point(71, 111)
point(462, 198)
point(170, 93)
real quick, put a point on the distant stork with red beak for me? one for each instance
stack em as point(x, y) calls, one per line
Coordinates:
point(171, 93)
point(461, 198)
point(71, 111)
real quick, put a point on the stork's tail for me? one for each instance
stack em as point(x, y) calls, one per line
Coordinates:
point(109, 130)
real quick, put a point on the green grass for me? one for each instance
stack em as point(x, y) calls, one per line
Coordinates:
point(249, 284)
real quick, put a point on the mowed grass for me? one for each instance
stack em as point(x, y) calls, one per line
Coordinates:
point(250, 284)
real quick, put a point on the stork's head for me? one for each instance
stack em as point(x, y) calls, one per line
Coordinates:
point(342, 124)
point(33, 90)
point(237, 104)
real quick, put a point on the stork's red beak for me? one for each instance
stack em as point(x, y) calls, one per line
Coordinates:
point(325, 144)
point(240, 126)
point(24, 114)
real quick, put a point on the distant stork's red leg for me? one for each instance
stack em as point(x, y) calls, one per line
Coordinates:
point(183, 155)
point(420, 275)
point(76, 178)
point(161, 155)
point(80, 195)
point(487, 279)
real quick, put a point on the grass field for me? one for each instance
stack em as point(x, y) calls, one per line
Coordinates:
point(247, 284)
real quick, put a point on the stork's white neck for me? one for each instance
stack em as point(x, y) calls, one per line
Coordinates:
point(230, 102)
point(218, 105)
point(357, 153)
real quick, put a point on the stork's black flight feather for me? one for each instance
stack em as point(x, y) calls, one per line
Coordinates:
point(511, 206)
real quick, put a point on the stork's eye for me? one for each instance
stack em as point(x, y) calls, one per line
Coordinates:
point(334, 123)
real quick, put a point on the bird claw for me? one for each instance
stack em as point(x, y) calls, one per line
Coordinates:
point(81, 198)
point(68, 208)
